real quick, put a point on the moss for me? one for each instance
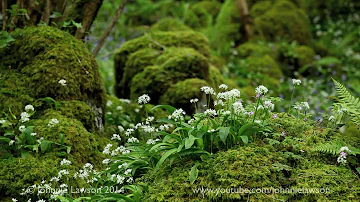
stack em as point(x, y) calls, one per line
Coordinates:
point(284, 20)
point(40, 57)
point(305, 55)
point(169, 24)
point(189, 39)
point(227, 26)
point(212, 7)
point(264, 65)
point(256, 49)
point(198, 18)
point(217, 61)
point(243, 167)
point(215, 78)
point(260, 8)
point(85, 146)
point(180, 94)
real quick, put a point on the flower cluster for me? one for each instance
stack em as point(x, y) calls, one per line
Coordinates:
point(261, 90)
point(229, 95)
point(342, 155)
point(210, 112)
point(144, 99)
point(52, 123)
point(296, 82)
point(195, 100)
point(62, 82)
point(177, 115)
point(208, 90)
point(302, 106)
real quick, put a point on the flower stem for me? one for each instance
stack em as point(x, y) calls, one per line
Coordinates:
point(292, 95)
point(257, 105)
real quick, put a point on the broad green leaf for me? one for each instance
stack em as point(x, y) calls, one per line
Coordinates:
point(245, 139)
point(164, 157)
point(25, 154)
point(55, 15)
point(193, 173)
point(44, 145)
point(189, 141)
point(223, 133)
point(68, 149)
point(5, 139)
point(62, 137)
point(246, 127)
point(77, 25)
point(168, 108)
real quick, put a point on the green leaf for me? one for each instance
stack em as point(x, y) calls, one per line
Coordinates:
point(68, 149)
point(77, 25)
point(62, 137)
point(245, 139)
point(358, 169)
point(245, 127)
point(189, 141)
point(55, 15)
point(5, 39)
point(166, 120)
point(164, 157)
point(36, 148)
point(193, 173)
point(25, 154)
point(44, 145)
point(66, 24)
point(223, 133)
point(5, 139)
point(168, 108)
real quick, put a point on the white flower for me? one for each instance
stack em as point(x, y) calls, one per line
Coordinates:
point(261, 90)
point(302, 106)
point(296, 82)
point(229, 95)
point(150, 119)
point(127, 171)
point(148, 129)
point(137, 110)
point(223, 86)
point(124, 101)
point(116, 137)
point(151, 141)
point(107, 149)
point(130, 180)
point(62, 172)
point(211, 131)
point(29, 108)
point(33, 134)
point(143, 99)
point(210, 112)
point(129, 131)
point(226, 112)
point(164, 127)
point(62, 82)
point(109, 103)
point(218, 102)
point(24, 117)
point(22, 129)
point(53, 122)
point(11, 142)
point(119, 108)
point(269, 105)
point(177, 115)
point(2, 121)
point(65, 162)
point(208, 90)
point(346, 149)
point(106, 161)
point(14, 200)
point(238, 108)
point(56, 179)
point(195, 100)
point(120, 179)
point(132, 140)
point(124, 165)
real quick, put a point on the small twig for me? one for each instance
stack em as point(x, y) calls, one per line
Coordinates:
point(3, 11)
point(110, 27)
point(157, 43)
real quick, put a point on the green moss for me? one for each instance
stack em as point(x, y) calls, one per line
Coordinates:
point(198, 18)
point(188, 39)
point(256, 49)
point(85, 146)
point(305, 55)
point(180, 94)
point(284, 20)
point(260, 8)
point(264, 65)
point(35, 62)
point(169, 24)
point(215, 78)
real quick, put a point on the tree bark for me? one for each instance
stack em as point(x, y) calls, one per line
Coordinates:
point(245, 17)
point(41, 11)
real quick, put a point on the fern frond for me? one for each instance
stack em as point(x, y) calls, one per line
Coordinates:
point(328, 148)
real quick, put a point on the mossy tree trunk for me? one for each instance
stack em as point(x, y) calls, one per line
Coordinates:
point(64, 14)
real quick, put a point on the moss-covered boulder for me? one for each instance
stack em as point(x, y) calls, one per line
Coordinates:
point(169, 24)
point(283, 19)
point(304, 55)
point(256, 49)
point(159, 41)
point(38, 59)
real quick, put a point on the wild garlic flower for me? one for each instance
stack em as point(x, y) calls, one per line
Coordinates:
point(238, 108)
point(116, 137)
point(62, 172)
point(269, 105)
point(219, 102)
point(11, 142)
point(24, 117)
point(62, 82)
point(106, 161)
point(195, 100)
point(65, 162)
point(132, 140)
point(296, 82)
point(332, 118)
point(29, 108)
point(346, 149)
point(22, 129)
point(229, 95)
point(107, 149)
point(210, 112)
point(150, 119)
point(109, 103)
point(148, 129)
point(127, 101)
point(164, 127)
point(124, 165)
point(53, 122)
point(302, 106)
point(208, 90)
point(211, 131)
point(127, 171)
point(223, 86)
point(226, 112)
point(119, 108)
point(143, 99)
point(129, 131)
point(33, 134)
point(177, 115)
point(121, 129)
point(261, 90)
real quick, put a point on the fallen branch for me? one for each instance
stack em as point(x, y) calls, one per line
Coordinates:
point(110, 27)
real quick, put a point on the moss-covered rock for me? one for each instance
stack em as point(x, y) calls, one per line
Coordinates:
point(304, 55)
point(156, 41)
point(256, 49)
point(282, 20)
point(264, 65)
point(169, 24)
point(38, 59)
point(180, 94)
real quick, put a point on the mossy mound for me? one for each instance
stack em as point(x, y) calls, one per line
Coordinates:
point(305, 55)
point(169, 24)
point(282, 20)
point(180, 94)
point(264, 65)
point(155, 41)
point(256, 49)
point(38, 59)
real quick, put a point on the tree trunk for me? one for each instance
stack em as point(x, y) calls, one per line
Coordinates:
point(245, 17)
point(64, 14)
